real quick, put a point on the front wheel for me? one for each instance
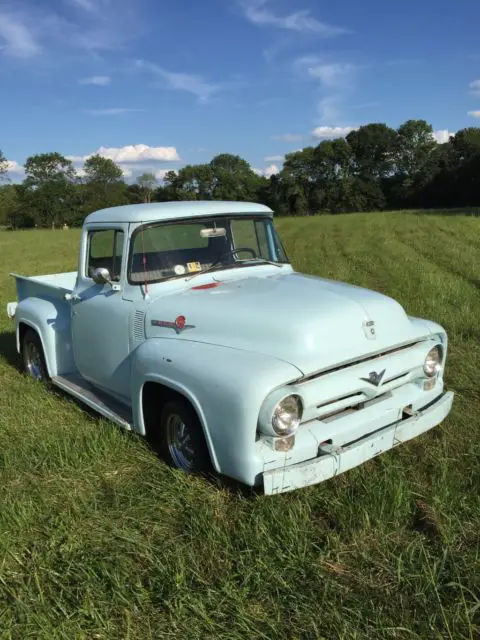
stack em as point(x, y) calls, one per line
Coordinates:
point(33, 356)
point(181, 438)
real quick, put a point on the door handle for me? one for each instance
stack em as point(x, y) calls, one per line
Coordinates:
point(73, 297)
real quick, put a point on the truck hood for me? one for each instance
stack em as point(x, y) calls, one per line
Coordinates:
point(309, 322)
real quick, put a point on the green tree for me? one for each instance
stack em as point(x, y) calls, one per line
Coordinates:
point(300, 178)
point(47, 193)
point(8, 205)
point(373, 147)
point(233, 178)
point(415, 163)
point(3, 167)
point(195, 182)
point(147, 184)
point(104, 184)
point(415, 147)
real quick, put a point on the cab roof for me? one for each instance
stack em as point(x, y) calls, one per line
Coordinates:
point(161, 211)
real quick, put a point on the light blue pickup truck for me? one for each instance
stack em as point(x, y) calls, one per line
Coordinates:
point(186, 323)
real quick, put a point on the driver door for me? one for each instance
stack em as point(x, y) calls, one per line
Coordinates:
point(100, 316)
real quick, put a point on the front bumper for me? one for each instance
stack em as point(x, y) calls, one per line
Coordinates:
point(335, 460)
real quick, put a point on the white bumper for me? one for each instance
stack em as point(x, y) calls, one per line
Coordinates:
point(335, 460)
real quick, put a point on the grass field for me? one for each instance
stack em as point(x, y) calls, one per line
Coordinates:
point(100, 540)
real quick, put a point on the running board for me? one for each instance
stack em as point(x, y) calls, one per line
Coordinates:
point(108, 407)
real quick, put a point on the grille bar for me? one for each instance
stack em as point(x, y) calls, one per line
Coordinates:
point(370, 358)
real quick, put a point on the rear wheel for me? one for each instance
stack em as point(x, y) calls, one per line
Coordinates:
point(181, 438)
point(33, 356)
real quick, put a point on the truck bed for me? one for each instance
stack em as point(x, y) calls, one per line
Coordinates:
point(53, 285)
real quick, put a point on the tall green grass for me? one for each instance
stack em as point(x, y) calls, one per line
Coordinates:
point(99, 539)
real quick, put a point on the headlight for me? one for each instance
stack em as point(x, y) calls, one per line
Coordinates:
point(287, 415)
point(433, 361)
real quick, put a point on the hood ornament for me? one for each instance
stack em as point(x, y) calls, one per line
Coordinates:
point(374, 378)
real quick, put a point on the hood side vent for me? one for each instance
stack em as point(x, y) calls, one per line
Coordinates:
point(137, 331)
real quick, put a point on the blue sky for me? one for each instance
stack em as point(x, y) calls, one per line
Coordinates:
point(156, 84)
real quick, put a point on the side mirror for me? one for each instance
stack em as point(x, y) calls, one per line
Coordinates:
point(101, 276)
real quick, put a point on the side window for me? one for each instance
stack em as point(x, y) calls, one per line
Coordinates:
point(105, 249)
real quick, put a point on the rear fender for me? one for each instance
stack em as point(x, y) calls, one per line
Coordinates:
point(51, 320)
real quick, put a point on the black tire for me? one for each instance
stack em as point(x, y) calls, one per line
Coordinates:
point(189, 454)
point(33, 357)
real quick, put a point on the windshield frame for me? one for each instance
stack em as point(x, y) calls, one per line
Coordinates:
point(253, 262)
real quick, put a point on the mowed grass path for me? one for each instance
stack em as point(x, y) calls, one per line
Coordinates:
point(99, 539)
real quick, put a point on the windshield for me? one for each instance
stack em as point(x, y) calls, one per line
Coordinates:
point(172, 250)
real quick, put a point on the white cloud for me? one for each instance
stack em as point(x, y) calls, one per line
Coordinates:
point(127, 173)
point(14, 167)
point(475, 87)
point(133, 153)
point(443, 135)
point(16, 38)
point(288, 137)
point(474, 114)
point(331, 132)
point(274, 158)
point(100, 81)
point(268, 172)
point(195, 84)
point(259, 13)
point(115, 111)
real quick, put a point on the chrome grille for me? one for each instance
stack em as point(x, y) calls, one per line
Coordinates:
point(343, 389)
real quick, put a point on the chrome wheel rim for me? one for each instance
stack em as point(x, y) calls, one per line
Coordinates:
point(34, 361)
point(180, 443)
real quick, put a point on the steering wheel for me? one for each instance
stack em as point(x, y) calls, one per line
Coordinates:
point(222, 255)
point(239, 250)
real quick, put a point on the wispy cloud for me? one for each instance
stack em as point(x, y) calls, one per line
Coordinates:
point(332, 75)
point(474, 114)
point(114, 111)
point(259, 13)
point(274, 158)
point(288, 137)
point(335, 79)
point(195, 84)
point(17, 39)
point(86, 5)
point(401, 62)
point(474, 87)
point(365, 105)
point(32, 29)
point(100, 81)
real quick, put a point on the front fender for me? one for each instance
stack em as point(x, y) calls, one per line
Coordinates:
point(433, 328)
point(226, 387)
point(51, 320)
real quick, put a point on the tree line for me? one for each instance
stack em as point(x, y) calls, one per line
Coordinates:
point(373, 168)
